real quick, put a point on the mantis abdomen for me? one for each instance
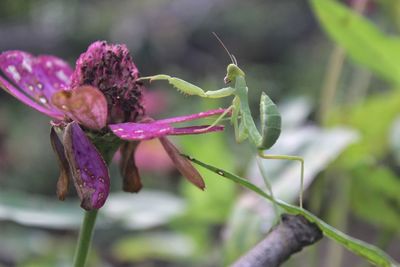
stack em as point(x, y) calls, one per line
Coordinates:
point(270, 122)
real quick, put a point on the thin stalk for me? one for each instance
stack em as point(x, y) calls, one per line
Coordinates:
point(85, 238)
point(334, 69)
point(331, 79)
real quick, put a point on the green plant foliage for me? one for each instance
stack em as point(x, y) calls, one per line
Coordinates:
point(375, 196)
point(358, 247)
point(149, 246)
point(374, 191)
point(361, 39)
point(373, 119)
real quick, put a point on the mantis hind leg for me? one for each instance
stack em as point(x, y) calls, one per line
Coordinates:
point(295, 158)
point(269, 187)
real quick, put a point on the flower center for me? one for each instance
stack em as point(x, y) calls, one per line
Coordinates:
point(110, 68)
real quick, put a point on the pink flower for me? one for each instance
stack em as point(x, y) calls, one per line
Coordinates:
point(98, 107)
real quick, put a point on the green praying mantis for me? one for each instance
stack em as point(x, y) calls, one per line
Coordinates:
point(241, 118)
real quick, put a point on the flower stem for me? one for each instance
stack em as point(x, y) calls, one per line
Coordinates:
point(85, 238)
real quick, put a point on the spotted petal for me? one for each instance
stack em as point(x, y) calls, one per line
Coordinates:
point(195, 116)
point(34, 78)
point(146, 131)
point(89, 171)
point(84, 104)
point(28, 101)
point(160, 128)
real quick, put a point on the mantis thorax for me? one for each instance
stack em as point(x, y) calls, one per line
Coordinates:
point(232, 71)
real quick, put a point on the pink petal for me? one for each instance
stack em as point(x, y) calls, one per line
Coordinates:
point(84, 104)
point(38, 77)
point(145, 131)
point(157, 129)
point(193, 116)
point(28, 101)
point(90, 173)
point(140, 131)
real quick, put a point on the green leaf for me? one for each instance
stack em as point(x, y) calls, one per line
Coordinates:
point(166, 246)
point(361, 39)
point(358, 247)
point(375, 196)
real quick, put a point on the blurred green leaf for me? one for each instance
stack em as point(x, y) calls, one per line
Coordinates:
point(38, 211)
point(373, 120)
point(375, 197)
point(148, 209)
point(159, 245)
point(362, 40)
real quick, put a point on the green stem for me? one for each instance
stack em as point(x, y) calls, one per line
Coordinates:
point(330, 83)
point(85, 238)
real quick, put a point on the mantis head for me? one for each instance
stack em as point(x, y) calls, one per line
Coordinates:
point(232, 71)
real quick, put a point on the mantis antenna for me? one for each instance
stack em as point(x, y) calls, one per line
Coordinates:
point(231, 56)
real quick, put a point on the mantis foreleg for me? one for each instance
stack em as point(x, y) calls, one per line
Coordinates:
point(189, 88)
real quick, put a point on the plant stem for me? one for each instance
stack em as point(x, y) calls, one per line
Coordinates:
point(330, 83)
point(333, 72)
point(85, 238)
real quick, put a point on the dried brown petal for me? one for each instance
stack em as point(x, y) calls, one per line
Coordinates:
point(183, 165)
point(65, 175)
point(129, 171)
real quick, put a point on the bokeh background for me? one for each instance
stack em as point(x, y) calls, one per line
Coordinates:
point(340, 112)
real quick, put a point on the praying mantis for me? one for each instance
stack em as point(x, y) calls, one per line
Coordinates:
point(241, 118)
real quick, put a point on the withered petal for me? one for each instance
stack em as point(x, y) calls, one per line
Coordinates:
point(129, 171)
point(183, 165)
point(65, 175)
point(84, 104)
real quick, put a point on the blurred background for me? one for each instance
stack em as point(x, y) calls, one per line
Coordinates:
point(334, 75)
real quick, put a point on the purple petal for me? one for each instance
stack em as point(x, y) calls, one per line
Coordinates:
point(90, 173)
point(85, 104)
point(28, 101)
point(37, 77)
point(157, 129)
point(140, 131)
point(145, 131)
point(192, 116)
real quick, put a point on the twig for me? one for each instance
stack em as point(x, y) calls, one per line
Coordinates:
point(287, 238)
